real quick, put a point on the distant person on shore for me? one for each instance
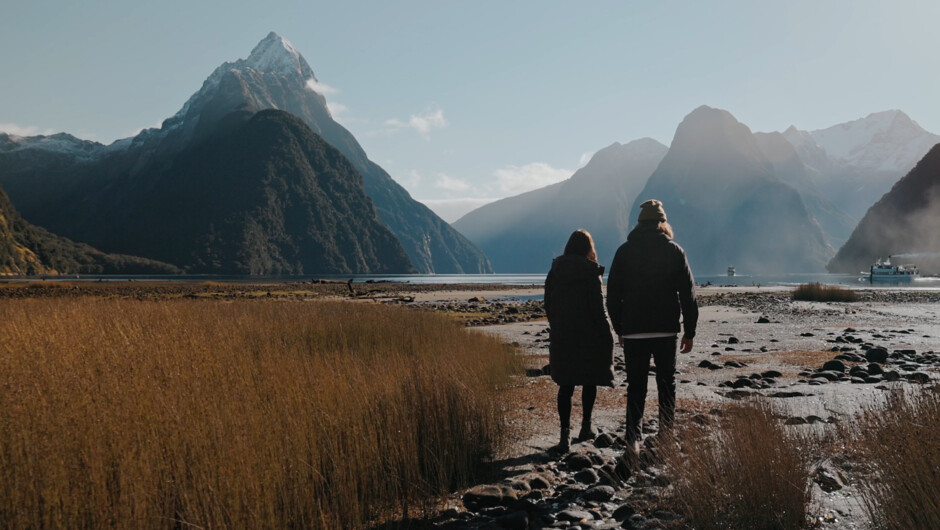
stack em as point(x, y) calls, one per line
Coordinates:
point(649, 283)
point(581, 350)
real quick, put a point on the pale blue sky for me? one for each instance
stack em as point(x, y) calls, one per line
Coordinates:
point(508, 95)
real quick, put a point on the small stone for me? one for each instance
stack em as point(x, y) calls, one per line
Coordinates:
point(604, 440)
point(877, 355)
point(795, 420)
point(763, 320)
point(487, 496)
point(834, 366)
point(533, 372)
point(518, 520)
point(733, 340)
point(578, 461)
point(875, 369)
point(574, 516)
point(599, 494)
point(771, 374)
point(623, 512)
point(891, 375)
point(586, 476)
point(918, 377)
point(827, 480)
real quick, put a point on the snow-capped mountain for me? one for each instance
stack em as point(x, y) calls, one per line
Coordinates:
point(853, 164)
point(882, 141)
point(274, 76)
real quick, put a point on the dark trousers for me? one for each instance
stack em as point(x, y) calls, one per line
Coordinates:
point(588, 395)
point(637, 353)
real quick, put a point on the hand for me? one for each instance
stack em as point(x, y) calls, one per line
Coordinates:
point(620, 340)
point(686, 346)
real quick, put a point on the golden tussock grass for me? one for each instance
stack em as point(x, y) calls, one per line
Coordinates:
point(806, 359)
point(128, 414)
point(743, 470)
point(815, 292)
point(901, 458)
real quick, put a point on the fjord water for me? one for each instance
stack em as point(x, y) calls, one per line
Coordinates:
point(717, 280)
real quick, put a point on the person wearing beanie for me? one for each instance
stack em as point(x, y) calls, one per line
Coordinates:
point(581, 351)
point(649, 285)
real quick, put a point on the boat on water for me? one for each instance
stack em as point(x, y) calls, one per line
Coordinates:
point(884, 271)
point(731, 271)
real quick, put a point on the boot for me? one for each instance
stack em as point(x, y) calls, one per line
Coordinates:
point(587, 433)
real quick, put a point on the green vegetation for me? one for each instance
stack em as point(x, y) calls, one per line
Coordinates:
point(902, 458)
point(261, 414)
point(815, 292)
point(744, 471)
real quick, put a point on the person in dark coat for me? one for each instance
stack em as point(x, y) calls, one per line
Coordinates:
point(581, 350)
point(649, 284)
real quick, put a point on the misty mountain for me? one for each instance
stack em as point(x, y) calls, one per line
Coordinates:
point(790, 168)
point(906, 220)
point(42, 174)
point(258, 194)
point(855, 163)
point(29, 250)
point(525, 232)
point(726, 203)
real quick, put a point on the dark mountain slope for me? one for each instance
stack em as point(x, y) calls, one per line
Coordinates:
point(29, 250)
point(261, 195)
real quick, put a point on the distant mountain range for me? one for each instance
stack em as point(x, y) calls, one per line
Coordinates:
point(110, 195)
point(29, 250)
point(904, 223)
point(765, 202)
point(523, 233)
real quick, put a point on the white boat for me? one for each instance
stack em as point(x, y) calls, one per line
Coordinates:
point(884, 271)
point(731, 271)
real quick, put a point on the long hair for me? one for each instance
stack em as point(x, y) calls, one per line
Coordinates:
point(662, 226)
point(581, 244)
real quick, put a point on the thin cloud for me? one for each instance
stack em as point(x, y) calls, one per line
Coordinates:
point(449, 183)
point(423, 123)
point(24, 130)
point(451, 210)
point(321, 88)
point(585, 158)
point(336, 109)
point(514, 180)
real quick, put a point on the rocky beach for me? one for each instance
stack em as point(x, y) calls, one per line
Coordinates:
point(818, 363)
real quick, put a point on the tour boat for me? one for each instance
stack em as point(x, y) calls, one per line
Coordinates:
point(883, 270)
point(731, 271)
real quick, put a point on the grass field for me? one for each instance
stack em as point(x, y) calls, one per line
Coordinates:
point(245, 414)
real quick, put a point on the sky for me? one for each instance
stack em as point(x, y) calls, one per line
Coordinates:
point(466, 102)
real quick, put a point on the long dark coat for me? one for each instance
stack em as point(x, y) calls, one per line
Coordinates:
point(582, 349)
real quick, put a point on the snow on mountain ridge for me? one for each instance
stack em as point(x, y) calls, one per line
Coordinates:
point(274, 54)
point(883, 141)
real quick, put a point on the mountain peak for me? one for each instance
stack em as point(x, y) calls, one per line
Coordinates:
point(275, 54)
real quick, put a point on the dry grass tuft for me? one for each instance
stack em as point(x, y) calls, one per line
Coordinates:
point(806, 359)
point(743, 471)
point(816, 292)
point(188, 413)
point(898, 446)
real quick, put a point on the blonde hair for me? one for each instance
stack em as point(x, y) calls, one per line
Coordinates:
point(580, 243)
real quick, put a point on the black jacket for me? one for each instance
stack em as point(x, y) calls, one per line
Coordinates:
point(581, 349)
point(649, 282)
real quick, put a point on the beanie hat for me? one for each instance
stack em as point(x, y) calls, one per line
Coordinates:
point(652, 210)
